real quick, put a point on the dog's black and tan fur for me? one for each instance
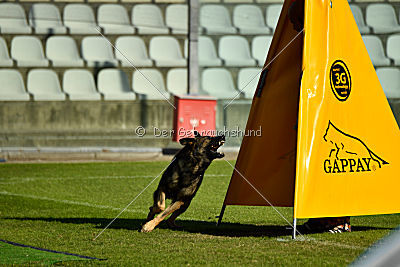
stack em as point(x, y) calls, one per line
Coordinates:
point(182, 178)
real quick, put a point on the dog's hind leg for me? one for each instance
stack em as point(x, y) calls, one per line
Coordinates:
point(171, 220)
point(158, 204)
point(149, 226)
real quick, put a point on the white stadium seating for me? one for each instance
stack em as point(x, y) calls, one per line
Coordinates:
point(260, 47)
point(97, 52)
point(79, 18)
point(166, 52)
point(13, 19)
point(5, 60)
point(216, 20)
point(148, 19)
point(393, 48)
point(44, 85)
point(218, 82)
point(249, 20)
point(177, 81)
point(272, 15)
point(45, 19)
point(79, 85)
point(207, 53)
point(390, 81)
point(28, 52)
point(382, 18)
point(114, 85)
point(12, 86)
point(149, 84)
point(176, 17)
point(227, 27)
point(62, 52)
point(133, 49)
point(248, 80)
point(358, 16)
point(114, 19)
point(375, 50)
point(235, 51)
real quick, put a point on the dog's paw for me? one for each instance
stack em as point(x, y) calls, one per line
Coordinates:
point(148, 227)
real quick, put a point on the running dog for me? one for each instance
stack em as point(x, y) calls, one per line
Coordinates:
point(182, 178)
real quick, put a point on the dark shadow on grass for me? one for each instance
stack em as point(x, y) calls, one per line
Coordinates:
point(203, 227)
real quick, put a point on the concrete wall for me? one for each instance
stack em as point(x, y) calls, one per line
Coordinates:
point(81, 123)
point(107, 123)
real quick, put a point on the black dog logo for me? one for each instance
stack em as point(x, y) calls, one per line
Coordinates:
point(349, 153)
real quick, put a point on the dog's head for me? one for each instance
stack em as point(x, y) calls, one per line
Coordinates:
point(204, 145)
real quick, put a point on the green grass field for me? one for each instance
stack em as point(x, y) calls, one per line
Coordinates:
point(64, 206)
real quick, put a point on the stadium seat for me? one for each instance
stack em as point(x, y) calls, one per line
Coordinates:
point(207, 53)
point(134, 49)
point(166, 1)
point(218, 82)
point(12, 86)
point(382, 18)
point(176, 17)
point(272, 15)
point(186, 48)
point(260, 47)
point(114, 85)
point(166, 52)
point(46, 19)
point(249, 20)
point(13, 19)
point(97, 52)
point(177, 81)
point(149, 84)
point(79, 18)
point(114, 19)
point(390, 81)
point(62, 52)
point(79, 85)
point(5, 60)
point(148, 19)
point(237, 1)
point(44, 85)
point(358, 16)
point(393, 48)
point(235, 51)
point(28, 52)
point(216, 20)
point(375, 50)
point(248, 80)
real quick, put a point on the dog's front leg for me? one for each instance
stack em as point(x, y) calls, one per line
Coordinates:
point(149, 226)
point(171, 220)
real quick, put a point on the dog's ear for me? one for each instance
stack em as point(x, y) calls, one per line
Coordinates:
point(196, 133)
point(186, 141)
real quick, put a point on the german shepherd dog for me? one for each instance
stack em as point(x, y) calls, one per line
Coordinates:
point(182, 178)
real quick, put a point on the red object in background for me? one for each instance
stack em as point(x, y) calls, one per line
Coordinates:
point(194, 113)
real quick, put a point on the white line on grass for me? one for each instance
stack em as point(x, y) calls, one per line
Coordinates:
point(144, 189)
point(86, 204)
point(64, 201)
point(15, 180)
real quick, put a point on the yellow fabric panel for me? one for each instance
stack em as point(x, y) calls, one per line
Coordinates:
point(348, 160)
point(268, 162)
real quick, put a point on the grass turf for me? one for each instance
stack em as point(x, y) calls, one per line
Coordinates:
point(11, 254)
point(64, 206)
